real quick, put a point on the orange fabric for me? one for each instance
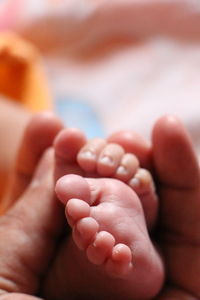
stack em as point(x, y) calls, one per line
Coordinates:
point(21, 74)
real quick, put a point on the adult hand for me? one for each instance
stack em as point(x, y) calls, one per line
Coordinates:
point(176, 168)
point(30, 229)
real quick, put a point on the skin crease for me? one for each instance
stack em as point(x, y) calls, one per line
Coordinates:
point(180, 185)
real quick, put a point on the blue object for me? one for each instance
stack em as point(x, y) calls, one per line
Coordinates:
point(79, 114)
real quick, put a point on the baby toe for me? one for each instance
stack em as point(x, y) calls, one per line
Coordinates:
point(142, 182)
point(75, 210)
point(109, 159)
point(120, 263)
point(88, 155)
point(84, 232)
point(72, 186)
point(128, 167)
point(101, 248)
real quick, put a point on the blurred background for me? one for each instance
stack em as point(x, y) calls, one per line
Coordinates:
point(115, 64)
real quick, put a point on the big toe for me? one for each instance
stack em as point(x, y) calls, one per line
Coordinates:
point(72, 186)
point(67, 145)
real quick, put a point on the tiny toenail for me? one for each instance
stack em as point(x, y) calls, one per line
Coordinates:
point(88, 154)
point(121, 170)
point(134, 182)
point(107, 160)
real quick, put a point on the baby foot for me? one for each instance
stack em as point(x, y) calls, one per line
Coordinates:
point(108, 225)
point(99, 158)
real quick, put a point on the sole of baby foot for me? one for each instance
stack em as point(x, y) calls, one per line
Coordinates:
point(110, 245)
